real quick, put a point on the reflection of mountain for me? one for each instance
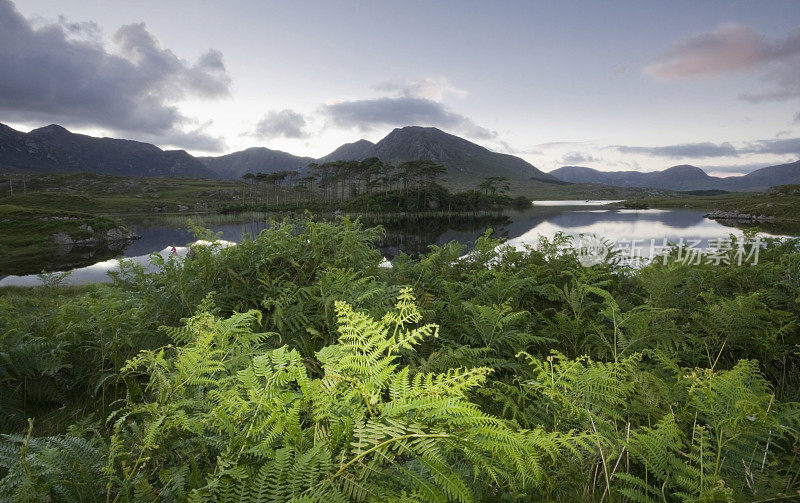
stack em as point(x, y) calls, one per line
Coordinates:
point(570, 218)
point(414, 235)
point(677, 219)
point(156, 237)
point(61, 260)
point(772, 228)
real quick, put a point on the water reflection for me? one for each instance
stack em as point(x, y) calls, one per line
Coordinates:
point(576, 202)
point(414, 235)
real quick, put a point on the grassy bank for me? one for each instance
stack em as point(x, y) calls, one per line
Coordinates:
point(780, 202)
point(27, 235)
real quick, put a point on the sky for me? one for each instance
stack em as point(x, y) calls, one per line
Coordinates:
point(612, 85)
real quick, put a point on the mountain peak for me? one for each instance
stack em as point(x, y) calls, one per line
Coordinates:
point(356, 151)
point(685, 169)
point(54, 149)
point(683, 177)
point(465, 161)
point(424, 131)
point(362, 141)
point(52, 129)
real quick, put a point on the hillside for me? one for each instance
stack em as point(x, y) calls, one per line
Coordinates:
point(254, 160)
point(464, 160)
point(356, 151)
point(684, 177)
point(467, 163)
point(54, 149)
point(782, 174)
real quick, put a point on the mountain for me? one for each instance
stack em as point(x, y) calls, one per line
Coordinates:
point(781, 174)
point(254, 160)
point(465, 161)
point(684, 177)
point(55, 149)
point(356, 151)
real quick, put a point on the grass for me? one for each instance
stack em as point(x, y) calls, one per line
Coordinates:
point(105, 201)
point(26, 238)
point(781, 202)
point(113, 195)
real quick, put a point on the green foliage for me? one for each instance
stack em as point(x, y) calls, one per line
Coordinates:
point(292, 367)
point(257, 426)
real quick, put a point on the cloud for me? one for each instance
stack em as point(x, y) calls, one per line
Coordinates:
point(729, 48)
point(62, 73)
point(704, 149)
point(735, 169)
point(552, 144)
point(734, 48)
point(797, 117)
point(783, 146)
point(402, 111)
point(286, 123)
point(193, 139)
point(574, 158)
point(507, 148)
point(429, 89)
point(413, 102)
point(784, 80)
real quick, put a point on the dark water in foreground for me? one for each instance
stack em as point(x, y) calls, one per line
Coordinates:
point(407, 234)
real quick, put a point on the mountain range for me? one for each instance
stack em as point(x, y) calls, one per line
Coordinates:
point(683, 177)
point(54, 149)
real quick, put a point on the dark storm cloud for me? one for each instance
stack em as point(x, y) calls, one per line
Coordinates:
point(61, 73)
point(783, 146)
point(286, 123)
point(402, 111)
point(704, 149)
point(733, 48)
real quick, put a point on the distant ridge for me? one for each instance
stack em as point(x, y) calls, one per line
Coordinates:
point(255, 160)
point(683, 177)
point(356, 151)
point(55, 149)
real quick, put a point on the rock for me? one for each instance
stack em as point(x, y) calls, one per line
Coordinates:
point(88, 228)
point(87, 242)
point(181, 207)
point(156, 209)
point(120, 234)
point(63, 239)
point(737, 216)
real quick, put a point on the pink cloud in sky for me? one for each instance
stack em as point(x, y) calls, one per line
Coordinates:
point(729, 48)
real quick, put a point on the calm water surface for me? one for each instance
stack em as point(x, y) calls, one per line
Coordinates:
point(414, 235)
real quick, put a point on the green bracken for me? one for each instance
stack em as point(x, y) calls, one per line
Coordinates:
point(292, 367)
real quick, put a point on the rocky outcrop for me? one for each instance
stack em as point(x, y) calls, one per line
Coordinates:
point(114, 238)
point(63, 239)
point(738, 216)
point(120, 234)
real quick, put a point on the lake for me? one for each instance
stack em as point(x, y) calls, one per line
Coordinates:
point(414, 235)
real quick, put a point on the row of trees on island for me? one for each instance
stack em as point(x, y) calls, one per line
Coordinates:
point(373, 184)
